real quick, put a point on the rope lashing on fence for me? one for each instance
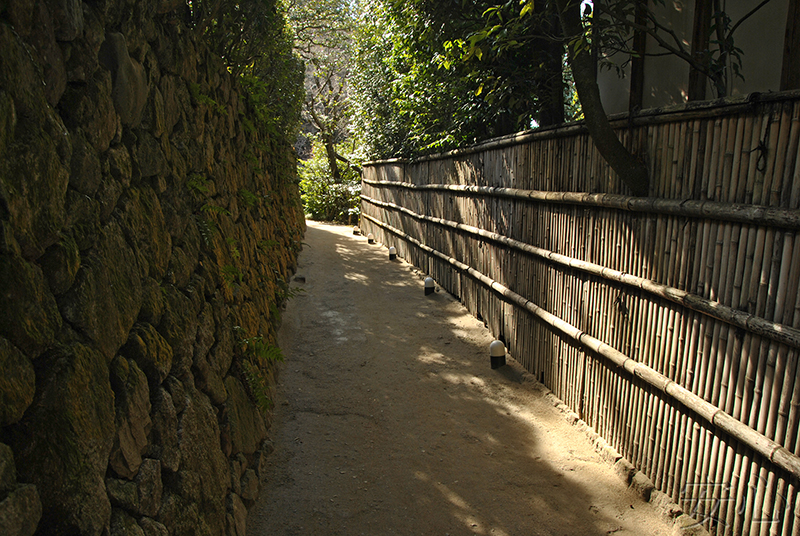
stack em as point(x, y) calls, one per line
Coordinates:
point(753, 439)
point(741, 213)
point(777, 332)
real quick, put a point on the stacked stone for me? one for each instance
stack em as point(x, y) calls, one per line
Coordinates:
point(123, 408)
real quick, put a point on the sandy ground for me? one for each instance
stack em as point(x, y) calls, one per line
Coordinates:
point(390, 420)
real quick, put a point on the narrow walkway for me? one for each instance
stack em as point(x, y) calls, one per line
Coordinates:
point(390, 420)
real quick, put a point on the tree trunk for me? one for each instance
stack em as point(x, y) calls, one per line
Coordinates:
point(701, 30)
point(790, 75)
point(630, 169)
point(330, 151)
point(551, 84)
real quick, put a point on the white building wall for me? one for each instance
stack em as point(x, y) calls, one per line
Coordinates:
point(666, 78)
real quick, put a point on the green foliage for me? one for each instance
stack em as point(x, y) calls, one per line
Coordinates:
point(425, 81)
point(232, 275)
point(201, 98)
point(324, 198)
point(215, 209)
point(234, 245)
point(276, 100)
point(259, 355)
point(258, 385)
point(198, 185)
point(266, 245)
point(207, 229)
point(249, 198)
point(253, 39)
point(286, 292)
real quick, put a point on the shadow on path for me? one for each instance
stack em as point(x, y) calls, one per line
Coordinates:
point(389, 419)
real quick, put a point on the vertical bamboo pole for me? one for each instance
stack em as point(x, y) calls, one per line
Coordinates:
point(736, 156)
point(754, 154)
point(773, 182)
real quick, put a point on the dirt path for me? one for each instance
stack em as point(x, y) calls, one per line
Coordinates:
point(390, 420)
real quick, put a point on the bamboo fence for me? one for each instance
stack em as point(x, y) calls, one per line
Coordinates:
point(670, 324)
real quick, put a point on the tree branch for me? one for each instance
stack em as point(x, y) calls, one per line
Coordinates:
point(631, 170)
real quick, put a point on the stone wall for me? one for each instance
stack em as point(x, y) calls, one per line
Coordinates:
point(147, 228)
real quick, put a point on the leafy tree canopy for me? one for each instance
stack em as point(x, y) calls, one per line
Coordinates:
point(417, 91)
point(254, 39)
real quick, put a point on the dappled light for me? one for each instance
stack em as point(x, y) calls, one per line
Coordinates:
point(410, 428)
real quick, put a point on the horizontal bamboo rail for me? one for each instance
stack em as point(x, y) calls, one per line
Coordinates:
point(753, 214)
point(771, 450)
point(714, 309)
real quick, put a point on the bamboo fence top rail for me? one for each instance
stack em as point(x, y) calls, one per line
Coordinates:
point(714, 415)
point(775, 331)
point(738, 212)
point(681, 112)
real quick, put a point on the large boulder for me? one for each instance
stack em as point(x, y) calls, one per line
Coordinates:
point(86, 173)
point(49, 54)
point(149, 157)
point(67, 18)
point(29, 316)
point(130, 82)
point(178, 326)
point(20, 508)
point(194, 498)
point(33, 189)
point(104, 301)
point(90, 107)
point(63, 442)
point(123, 524)
point(206, 372)
point(60, 264)
point(144, 226)
point(8, 470)
point(151, 527)
point(164, 444)
point(17, 383)
point(242, 420)
point(141, 496)
point(20, 512)
point(150, 351)
point(132, 400)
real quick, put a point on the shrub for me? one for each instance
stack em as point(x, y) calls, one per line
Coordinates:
point(323, 198)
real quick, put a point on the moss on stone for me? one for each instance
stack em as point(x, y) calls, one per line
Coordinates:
point(63, 442)
point(29, 316)
point(17, 383)
point(60, 264)
point(105, 299)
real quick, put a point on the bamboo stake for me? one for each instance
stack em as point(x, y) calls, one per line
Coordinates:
point(715, 166)
point(736, 158)
point(729, 142)
point(791, 518)
point(728, 483)
point(742, 495)
point(693, 472)
point(762, 178)
point(784, 194)
point(773, 179)
point(709, 475)
point(665, 455)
